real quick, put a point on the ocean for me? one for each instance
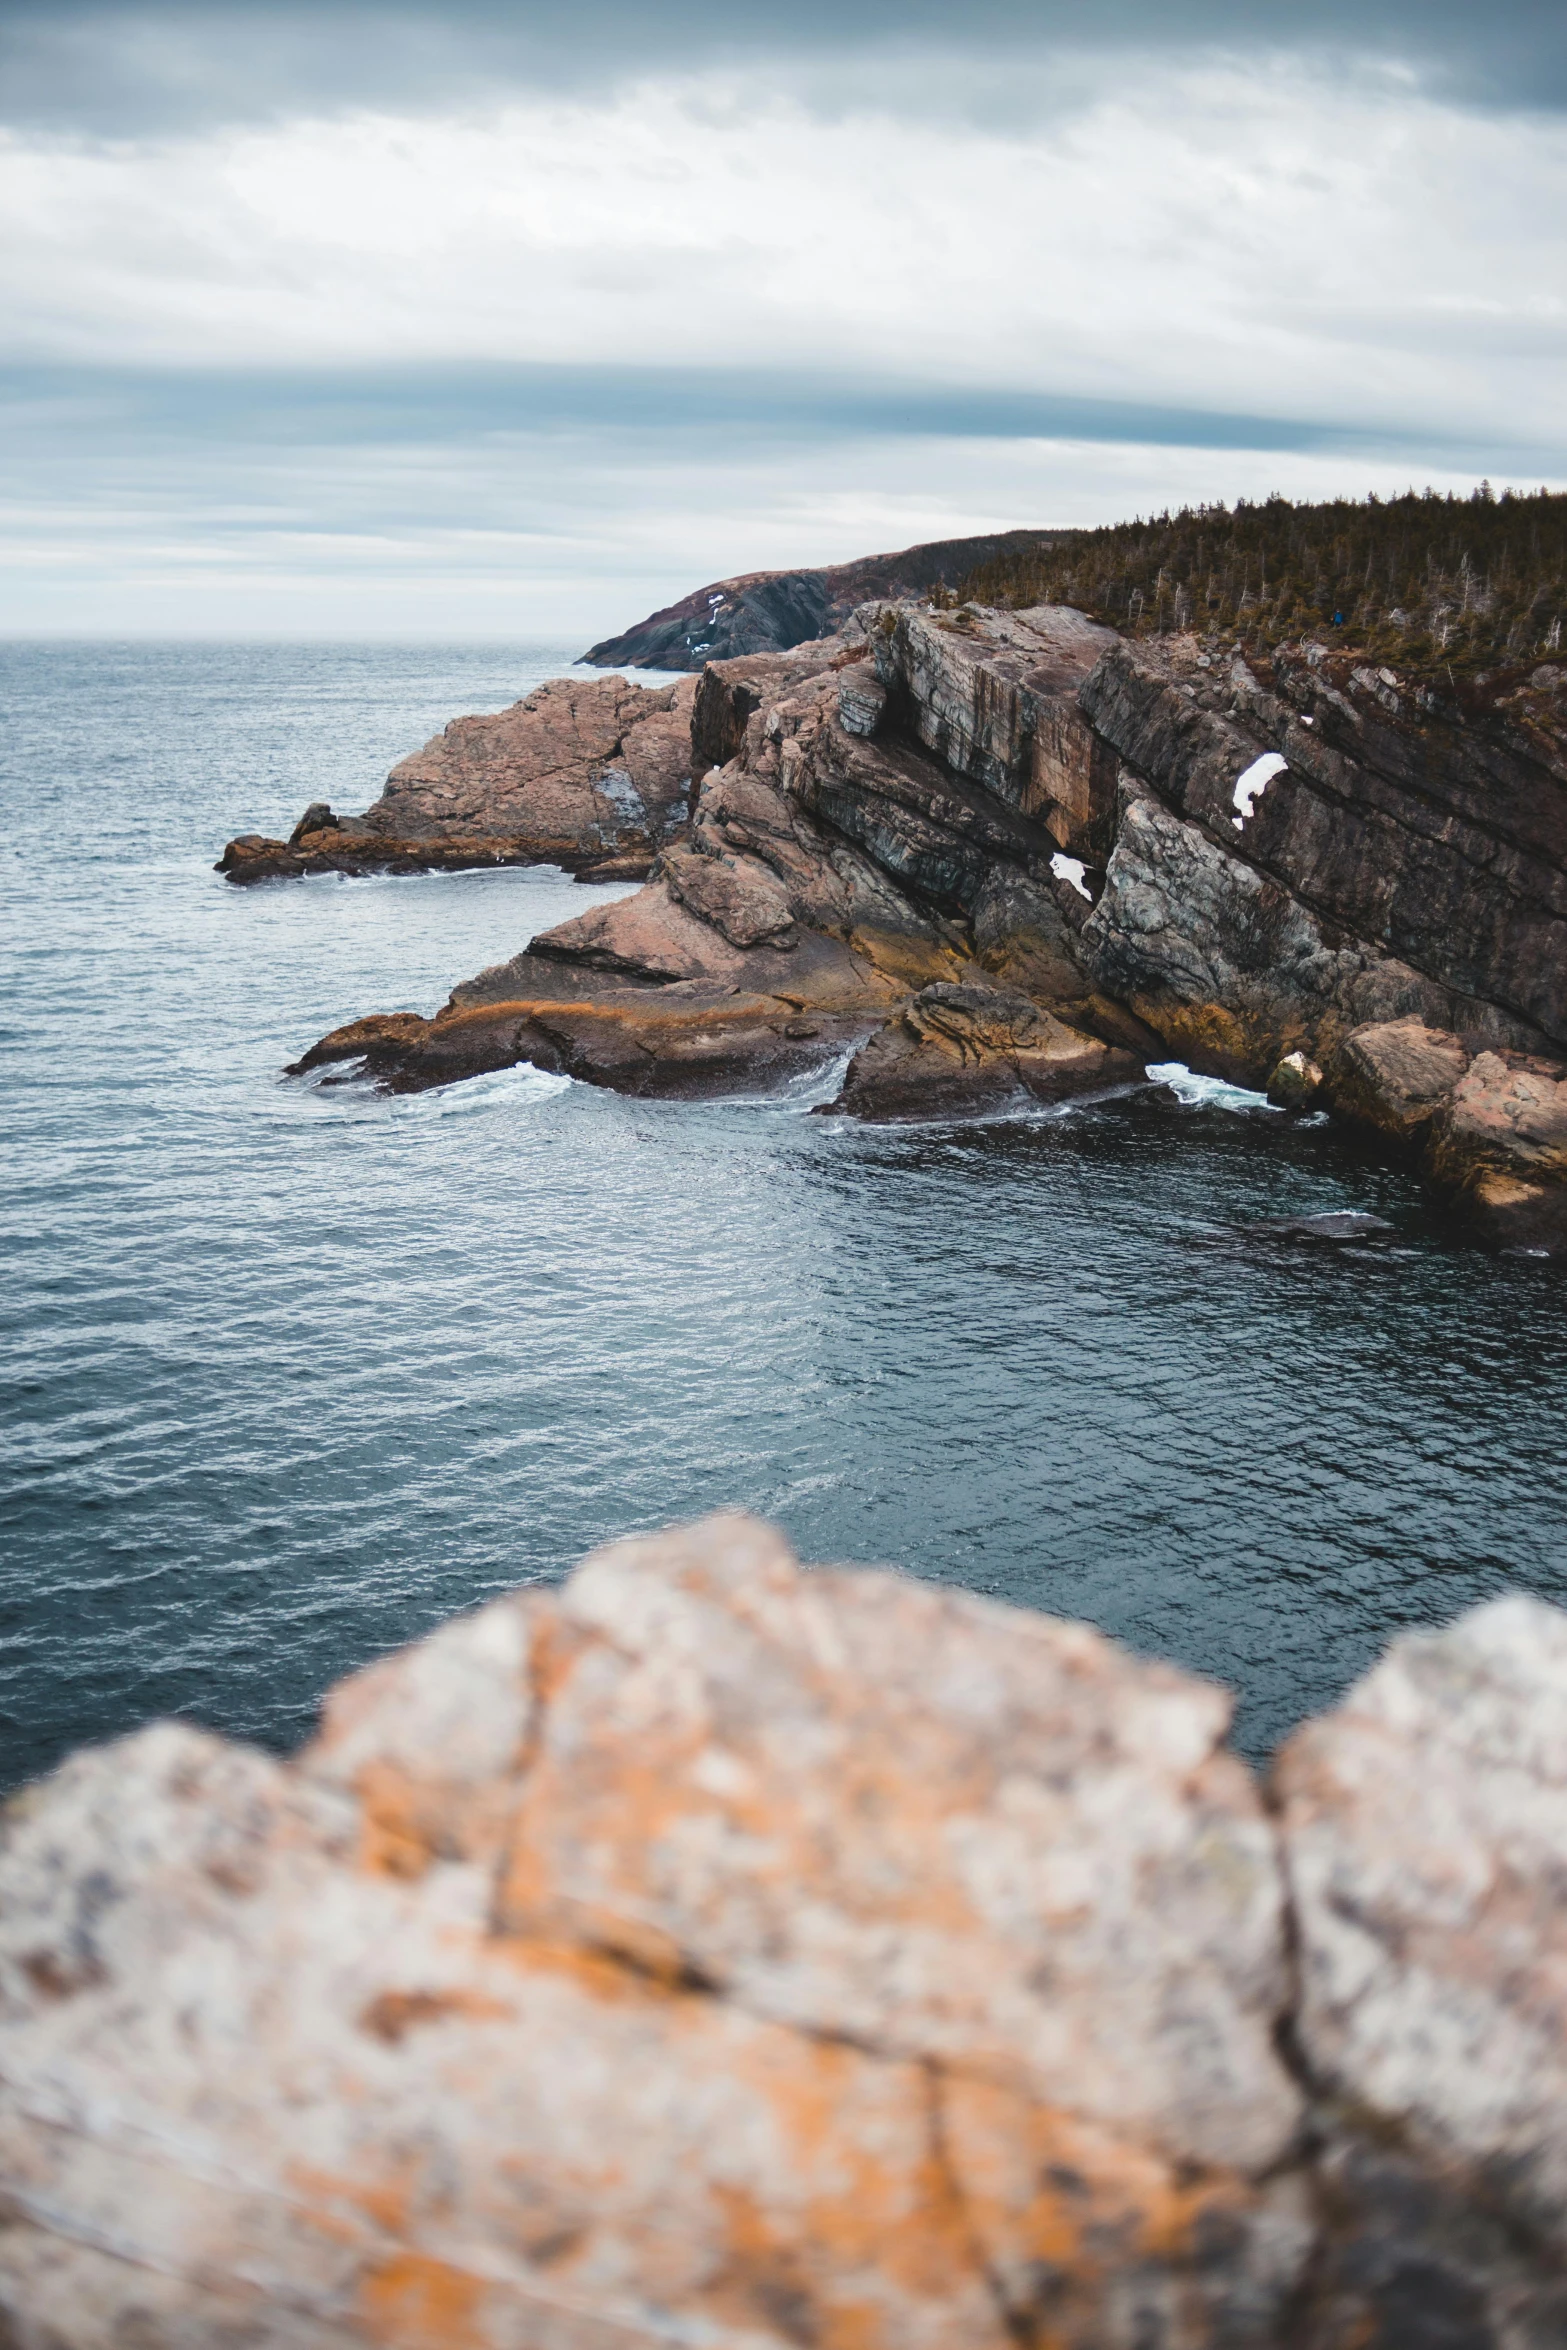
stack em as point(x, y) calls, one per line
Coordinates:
point(292, 1374)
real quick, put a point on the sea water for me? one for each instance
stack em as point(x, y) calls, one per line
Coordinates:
point(291, 1373)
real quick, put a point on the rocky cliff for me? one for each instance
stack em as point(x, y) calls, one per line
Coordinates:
point(1008, 855)
point(716, 1953)
point(772, 611)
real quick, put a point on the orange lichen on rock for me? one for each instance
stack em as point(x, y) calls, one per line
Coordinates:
point(713, 1952)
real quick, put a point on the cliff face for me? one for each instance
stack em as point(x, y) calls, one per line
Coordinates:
point(1439, 843)
point(772, 611)
point(715, 1953)
point(1110, 851)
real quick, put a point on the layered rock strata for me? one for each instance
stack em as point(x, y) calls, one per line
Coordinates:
point(711, 1952)
point(590, 774)
point(1302, 854)
point(834, 865)
point(1162, 849)
point(957, 1050)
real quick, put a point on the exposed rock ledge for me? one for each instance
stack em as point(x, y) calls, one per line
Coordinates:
point(590, 774)
point(715, 1953)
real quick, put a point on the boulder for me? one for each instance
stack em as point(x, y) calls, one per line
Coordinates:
point(1294, 1082)
point(1501, 1140)
point(318, 817)
point(1396, 1074)
point(1492, 1124)
point(962, 1047)
point(709, 1952)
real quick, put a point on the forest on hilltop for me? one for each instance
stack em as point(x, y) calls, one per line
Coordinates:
point(1428, 581)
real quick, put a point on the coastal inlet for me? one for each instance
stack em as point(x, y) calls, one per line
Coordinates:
point(293, 1373)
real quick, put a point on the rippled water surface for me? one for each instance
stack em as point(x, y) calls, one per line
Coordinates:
point(291, 1374)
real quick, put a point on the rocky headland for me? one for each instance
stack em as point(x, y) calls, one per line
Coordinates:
point(589, 774)
point(1001, 855)
point(772, 611)
point(712, 1952)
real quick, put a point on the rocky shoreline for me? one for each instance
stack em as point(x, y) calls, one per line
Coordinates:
point(1011, 856)
point(711, 1952)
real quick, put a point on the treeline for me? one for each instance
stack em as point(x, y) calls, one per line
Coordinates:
point(1425, 582)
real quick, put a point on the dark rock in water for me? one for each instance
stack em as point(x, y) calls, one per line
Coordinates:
point(318, 817)
point(1339, 1228)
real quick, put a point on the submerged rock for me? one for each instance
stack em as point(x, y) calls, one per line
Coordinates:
point(1337, 1228)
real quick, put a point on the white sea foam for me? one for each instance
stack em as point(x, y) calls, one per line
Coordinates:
point(1209, 1093)
point(497, 1089)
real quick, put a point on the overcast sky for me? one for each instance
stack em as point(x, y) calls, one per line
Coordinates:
point(489, 320)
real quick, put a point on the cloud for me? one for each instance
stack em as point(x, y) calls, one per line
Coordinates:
point(1219, 241)
point(123, 68)
point(676, 318)
point(442, 508)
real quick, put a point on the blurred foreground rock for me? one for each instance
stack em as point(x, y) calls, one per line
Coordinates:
point(712, 1952)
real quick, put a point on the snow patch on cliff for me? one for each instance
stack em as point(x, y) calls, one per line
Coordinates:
point(1250, 787)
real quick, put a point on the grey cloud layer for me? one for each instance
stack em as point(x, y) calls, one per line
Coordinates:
point(696, 409)
point(123, 67)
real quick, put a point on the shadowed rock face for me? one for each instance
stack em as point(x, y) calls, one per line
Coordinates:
point(713, 1952)
point(1436, 842)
